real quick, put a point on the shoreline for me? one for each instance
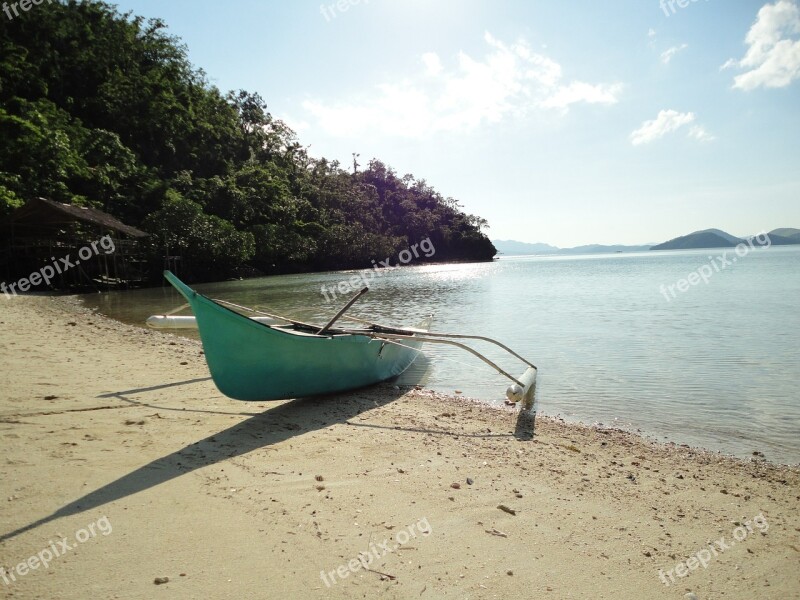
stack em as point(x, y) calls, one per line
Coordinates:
point(656, 437)
point(229, 499)
point(158, 281)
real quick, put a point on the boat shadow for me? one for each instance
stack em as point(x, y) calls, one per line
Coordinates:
point(261, 430)
point(524, 428)
point(123, 397)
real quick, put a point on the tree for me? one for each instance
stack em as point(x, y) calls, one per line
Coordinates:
point(210, 246)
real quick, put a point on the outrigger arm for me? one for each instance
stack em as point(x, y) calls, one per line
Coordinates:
point(521, 389)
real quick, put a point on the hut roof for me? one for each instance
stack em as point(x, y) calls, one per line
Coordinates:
point(41, 212)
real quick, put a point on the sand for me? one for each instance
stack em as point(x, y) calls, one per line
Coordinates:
point(124, 463)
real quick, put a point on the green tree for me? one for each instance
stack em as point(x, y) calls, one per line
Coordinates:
point(209, 246)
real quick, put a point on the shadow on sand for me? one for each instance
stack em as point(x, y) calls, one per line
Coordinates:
point(263, 429)
point(272, 426)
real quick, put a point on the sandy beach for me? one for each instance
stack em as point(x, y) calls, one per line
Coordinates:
point(131, 476)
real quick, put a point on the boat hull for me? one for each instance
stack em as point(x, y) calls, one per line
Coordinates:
point(253, 361)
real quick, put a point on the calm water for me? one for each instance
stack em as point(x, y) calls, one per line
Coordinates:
point(718, 366)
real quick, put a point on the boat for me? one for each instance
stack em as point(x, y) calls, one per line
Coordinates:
point(261, 356)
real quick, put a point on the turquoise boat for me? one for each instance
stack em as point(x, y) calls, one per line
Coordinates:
point(269, 357)
point(255, 360)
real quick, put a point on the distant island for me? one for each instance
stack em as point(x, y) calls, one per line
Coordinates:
point(513, 247)
point(716, 238)
point(707, 238)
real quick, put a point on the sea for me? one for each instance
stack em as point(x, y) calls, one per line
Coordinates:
point(696, 347)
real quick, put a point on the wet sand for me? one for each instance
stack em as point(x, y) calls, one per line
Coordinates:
point(123, 461)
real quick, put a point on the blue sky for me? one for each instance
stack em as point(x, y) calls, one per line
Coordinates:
point(627, 121)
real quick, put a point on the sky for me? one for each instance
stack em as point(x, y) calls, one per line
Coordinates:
point(568, 123)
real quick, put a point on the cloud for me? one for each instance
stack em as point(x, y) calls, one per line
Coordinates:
point(578, 91)
point(772, 59)
point(509, 81)
point(667, 54)
point(296, 125)
point(432, 63)
point(666, 122)
point(700, 134)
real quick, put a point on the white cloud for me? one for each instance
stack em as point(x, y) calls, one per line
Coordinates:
point(666, 122)
point(667, 54)
point(578, 91)
point(296, 125)
point(510, 81)
point(772, 59)
point(700, 134)
point(432, 63)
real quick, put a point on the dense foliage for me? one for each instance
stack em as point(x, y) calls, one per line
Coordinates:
point(102, 109)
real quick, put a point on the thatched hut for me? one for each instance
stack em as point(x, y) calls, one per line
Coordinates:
point(86, 247)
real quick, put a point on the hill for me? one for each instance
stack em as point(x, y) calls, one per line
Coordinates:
point(519, 248)
point(786, 232)
point(706, 238)
point(723, 234)
point(513, 247)
point(104, 110)
point(716, 238)
point(699, 239)
point(604, 249)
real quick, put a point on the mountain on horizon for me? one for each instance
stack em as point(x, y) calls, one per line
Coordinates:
point(723, 234)
point(786, 232)
point(604, 249)
point(515, 248)
point(705, 238)
point(716, 238)
point(699, 239)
